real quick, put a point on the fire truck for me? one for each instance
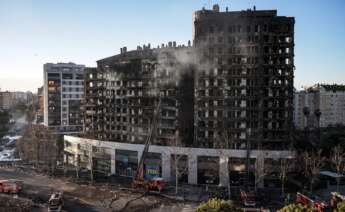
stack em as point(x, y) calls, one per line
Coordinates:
point(10, 186)
point(139, 181)
point(313, 202)
point(335, 199)
point(248, 198)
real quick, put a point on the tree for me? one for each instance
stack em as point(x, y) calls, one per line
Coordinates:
point(4, 121)
point(39, 145)
point(286, 166)
point(296, 208)
point(337, 159)
point(176, 161)
point(179, 170)
point(306, 113)
point(317, 113)
point(313, 162)
point(218, 205)
point(340, 207)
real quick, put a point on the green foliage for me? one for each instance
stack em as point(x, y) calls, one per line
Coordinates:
point(340, 207)
point(334, 87)
point(218, 205)
point(295, 208)
point(4, 120)
point(332, 136)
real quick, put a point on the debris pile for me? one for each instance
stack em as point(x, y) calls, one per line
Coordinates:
point(14, 204)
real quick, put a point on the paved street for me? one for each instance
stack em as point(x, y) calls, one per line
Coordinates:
point(89, 198)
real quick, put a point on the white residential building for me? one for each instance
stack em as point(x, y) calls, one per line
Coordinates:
point(329, 100)
point(63, 94)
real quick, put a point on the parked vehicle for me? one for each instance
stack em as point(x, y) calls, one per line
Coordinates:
point(55, 202)
point(139, 181)
point(248, 198)
point(335, 199)
point(10, 186)
point(312, 201)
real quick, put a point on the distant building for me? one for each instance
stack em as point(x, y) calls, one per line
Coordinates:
point(63, 92)
point(7, 100)
point(40, 109)
point(320, 105)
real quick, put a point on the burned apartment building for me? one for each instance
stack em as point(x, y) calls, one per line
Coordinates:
point(124, 91)
point(244, 86)
point(230, 92)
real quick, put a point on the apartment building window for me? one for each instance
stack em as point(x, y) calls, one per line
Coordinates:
point(211, 29)
point(239, 28)
point(67, 76)
point(248, 28)
point(257, 28)
point(230, 29)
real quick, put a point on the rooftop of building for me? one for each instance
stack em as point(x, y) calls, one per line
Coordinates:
point(145, 51)
point(332, 87)
point(250, 12)
point(61, 64)
point(325, 87)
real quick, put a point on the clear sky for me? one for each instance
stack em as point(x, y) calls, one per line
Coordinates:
point(33, 32)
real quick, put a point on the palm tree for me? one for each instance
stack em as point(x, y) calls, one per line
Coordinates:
point(317, 114)
point(306, 113)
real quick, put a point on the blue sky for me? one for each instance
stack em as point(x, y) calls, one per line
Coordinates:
point(33, 32)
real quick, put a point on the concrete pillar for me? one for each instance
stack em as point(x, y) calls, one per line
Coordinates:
point(113, 162)
point(192, 169)
point(223, 171)
point(76, 162)
point(260, 171)
point(166, 167)
point(140, 153)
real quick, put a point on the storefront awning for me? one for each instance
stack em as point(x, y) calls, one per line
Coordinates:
point(331, 174)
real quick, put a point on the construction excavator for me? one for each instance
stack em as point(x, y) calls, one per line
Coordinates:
point(139, 181)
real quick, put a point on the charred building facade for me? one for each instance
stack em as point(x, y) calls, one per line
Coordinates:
point(124, 91)
point(227, 100)
point(244, 88)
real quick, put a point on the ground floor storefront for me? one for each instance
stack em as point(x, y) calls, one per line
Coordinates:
point(191, 165)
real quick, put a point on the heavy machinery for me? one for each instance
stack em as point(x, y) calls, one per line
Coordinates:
point(55, 202)
point(10, 186)
point(335, 199)
point(318, 205)
point(248, 198)
point(139, 181)
point(313, 202)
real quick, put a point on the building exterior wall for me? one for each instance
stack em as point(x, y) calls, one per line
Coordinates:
point(329, 100)
point(7, 100)
point(134, 85)
point(74, 146)
point(63, 91)
point(244, 88)
point(230, 96)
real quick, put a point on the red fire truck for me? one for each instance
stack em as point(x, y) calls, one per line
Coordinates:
point(315, 204)
point(248, 198)
point(10, 186)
